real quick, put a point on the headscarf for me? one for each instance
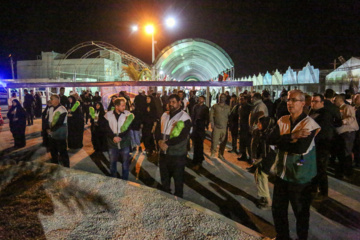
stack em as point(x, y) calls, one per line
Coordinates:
point(100, 110)
point(73, 101)
point(18, 107)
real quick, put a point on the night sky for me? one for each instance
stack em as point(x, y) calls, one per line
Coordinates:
point(258, 35)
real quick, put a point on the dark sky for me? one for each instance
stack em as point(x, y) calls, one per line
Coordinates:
point(258, 35)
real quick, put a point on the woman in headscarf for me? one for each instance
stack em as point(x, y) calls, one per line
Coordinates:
point(17, 117)
point(38, 105)
point(75, 124)
point(98, 136)
point(111, 104)
point(150, 121)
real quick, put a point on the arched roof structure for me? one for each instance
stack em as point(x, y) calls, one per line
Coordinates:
point(193, 59)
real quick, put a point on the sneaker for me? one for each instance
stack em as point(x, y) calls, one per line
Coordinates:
point(212, 155)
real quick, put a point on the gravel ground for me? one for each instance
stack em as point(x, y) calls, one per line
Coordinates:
point(90, 206)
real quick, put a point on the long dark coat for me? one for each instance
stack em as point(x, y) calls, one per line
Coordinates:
point(17, 124)
point(38, 106)
point(75, 127)
point(98, 134)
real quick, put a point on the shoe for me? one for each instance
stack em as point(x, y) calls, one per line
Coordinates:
point(264, 203)
point(212, 155)
point(232, 151)
point(243, 158)
point(196, 166)
point(251, 169)
point(221, 157)
point(320, 197)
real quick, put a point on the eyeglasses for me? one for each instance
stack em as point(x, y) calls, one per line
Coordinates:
point(294, 100)
point(315, 101)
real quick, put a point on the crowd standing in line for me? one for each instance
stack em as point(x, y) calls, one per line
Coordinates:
point(292, 139)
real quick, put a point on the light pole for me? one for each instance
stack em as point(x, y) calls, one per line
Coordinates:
point(150, 30)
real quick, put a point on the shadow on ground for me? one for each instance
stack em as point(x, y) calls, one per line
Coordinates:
point(28, 189)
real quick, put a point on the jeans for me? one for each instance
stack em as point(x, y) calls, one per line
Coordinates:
point(123, 156)
point(135, 138)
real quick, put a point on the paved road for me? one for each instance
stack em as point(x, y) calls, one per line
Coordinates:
point(222, 186)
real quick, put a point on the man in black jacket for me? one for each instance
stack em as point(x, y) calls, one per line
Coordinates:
point(200, 120)
point(173, 145)
point(28, 105)
point(245, 137)
point(335, 118)
point(63, 99)
point(322, 143)
point(234, 123)
point(56, 129)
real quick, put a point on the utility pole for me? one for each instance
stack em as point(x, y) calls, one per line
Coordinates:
point(12, 66)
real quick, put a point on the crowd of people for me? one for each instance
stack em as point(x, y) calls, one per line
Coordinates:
point(293, 138)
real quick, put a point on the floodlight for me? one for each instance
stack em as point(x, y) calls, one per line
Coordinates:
point(134, 28)
point(170, 22)
point(149, 29)
point(161, 72)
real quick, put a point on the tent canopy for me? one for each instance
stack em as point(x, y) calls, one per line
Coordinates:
point(196, 58)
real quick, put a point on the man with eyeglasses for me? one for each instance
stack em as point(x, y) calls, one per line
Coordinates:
point(322, 144)
point(295, 166)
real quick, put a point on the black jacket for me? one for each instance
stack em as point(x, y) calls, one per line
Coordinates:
point(326, 134)
point(334, 112)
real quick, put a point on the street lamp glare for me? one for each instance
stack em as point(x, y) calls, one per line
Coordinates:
point(149, 29)
point(170, 22)
point(134, 28)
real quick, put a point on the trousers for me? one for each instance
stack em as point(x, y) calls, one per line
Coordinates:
point(299, 196)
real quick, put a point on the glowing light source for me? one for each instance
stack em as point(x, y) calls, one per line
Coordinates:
point(149, 29)
point(134, 28)
point(170, 22)
point(161, 72)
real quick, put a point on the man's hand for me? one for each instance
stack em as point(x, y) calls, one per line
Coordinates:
point(116, 139)
point(212, 126)
point(163, 146)
point(300, 134)
point(48, 131)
